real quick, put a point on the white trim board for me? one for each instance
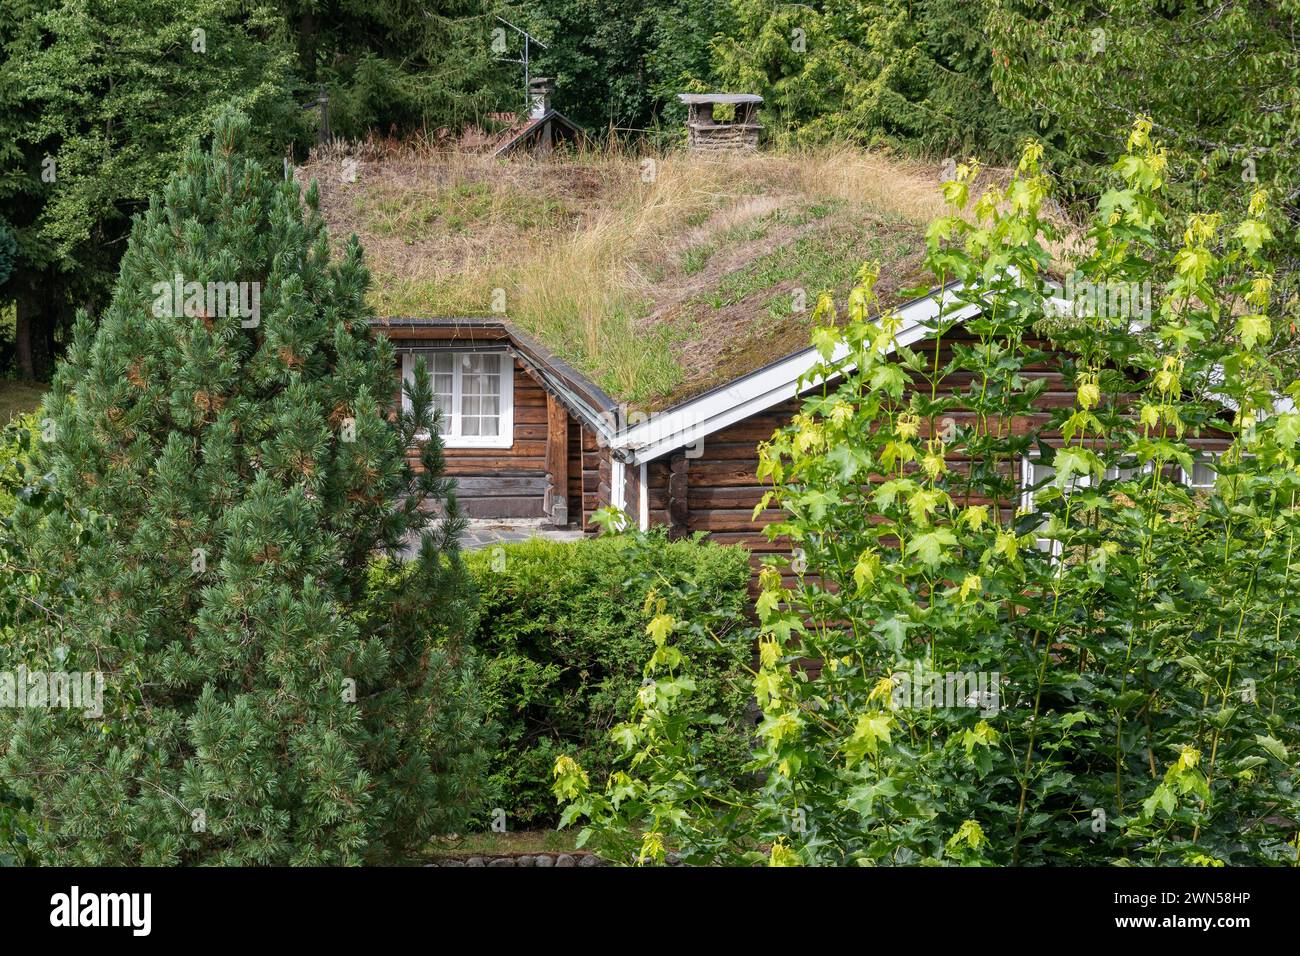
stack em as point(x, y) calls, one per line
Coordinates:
point(643, 504)
point(692, 421)
point(618, 484)
point(505, 436)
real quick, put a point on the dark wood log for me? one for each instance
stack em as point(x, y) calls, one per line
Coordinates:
point(556, 501)
point(679, 512)
point(502, 507)
point(497, 486)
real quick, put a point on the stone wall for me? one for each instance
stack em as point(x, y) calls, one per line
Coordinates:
point(523, 859)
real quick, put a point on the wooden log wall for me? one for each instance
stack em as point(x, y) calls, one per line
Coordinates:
point(718, 491)
point(512, 482)
point(595, 476)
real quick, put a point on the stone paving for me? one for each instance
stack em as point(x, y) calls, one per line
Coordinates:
point(486, 532)
point(483, 533)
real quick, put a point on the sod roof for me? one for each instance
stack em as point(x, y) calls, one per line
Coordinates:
point(657, 277)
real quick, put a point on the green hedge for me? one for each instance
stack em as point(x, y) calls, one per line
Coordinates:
point(15, 444)
point(562, 628)
point(16, 438)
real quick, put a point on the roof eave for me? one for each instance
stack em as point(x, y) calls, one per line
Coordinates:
point(683, 425)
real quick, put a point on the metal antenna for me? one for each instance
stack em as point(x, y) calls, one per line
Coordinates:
point(529, 41)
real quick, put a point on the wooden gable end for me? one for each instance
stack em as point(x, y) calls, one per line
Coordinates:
point(553, 469)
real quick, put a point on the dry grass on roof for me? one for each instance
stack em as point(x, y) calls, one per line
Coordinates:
point(657, 276)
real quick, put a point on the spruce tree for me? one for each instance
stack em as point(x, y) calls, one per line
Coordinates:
point(226, 479)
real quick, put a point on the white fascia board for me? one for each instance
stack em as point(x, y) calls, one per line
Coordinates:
point(687, 424)
point(1282, 404)
point(643, 504)
point(617, 484)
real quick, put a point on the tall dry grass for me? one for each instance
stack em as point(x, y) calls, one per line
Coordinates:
point(587, 288)
point(581, 284)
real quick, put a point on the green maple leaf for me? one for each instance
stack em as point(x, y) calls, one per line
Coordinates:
point(888, 378)
point(1274, 746)
point(1253, 234)
point(861, 800)
point(660, 628)
point(1253, 329)
point(846, 459)
point(894, 631)
point(887, 493)
point(872, 729)
point(929, 547)
point(1287, 430)
point(824, 339)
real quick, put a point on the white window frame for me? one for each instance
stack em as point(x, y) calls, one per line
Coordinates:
point(1028, 463)
point(1028, 479)
point(451, 436)
point(1185, 477)
point(1112, 473)
point(1028, 503)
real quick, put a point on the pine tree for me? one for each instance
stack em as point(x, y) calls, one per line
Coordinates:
point(226, 477)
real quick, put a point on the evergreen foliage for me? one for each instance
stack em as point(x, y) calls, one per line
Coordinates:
point(222, 482)
point(562, 629)
point(1220, 78)
point(97, 102)
point(910, 74)
point(397, 66)
point(621, 64)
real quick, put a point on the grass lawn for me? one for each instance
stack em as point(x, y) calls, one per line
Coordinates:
point(18, 397)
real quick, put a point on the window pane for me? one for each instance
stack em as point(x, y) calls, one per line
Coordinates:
point(479, 387)
point(1202, 475)
point(439, 367)
point(485, 426)
point(1037, 473)
point(1043, 476)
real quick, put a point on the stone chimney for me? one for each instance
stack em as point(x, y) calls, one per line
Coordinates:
point(708, 133)
point(539, 97)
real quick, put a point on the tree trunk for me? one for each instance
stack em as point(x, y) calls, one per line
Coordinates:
point(23, 334)
point(307, 47)
point(36, 317)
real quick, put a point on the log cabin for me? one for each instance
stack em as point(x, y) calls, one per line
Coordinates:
point(530, 437)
